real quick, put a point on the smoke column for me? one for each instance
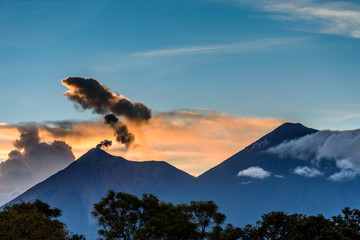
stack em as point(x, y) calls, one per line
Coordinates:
point(88, 93)
point(105, 143)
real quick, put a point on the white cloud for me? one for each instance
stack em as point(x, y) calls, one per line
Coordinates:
point(331, 17)
point(254, 172)
point(307, 172)
point(348, 170)
point(342, 147)
point(279, 176)
point(302, 148)
point(222, 48)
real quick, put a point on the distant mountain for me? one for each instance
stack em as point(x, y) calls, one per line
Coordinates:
point(253, 155)
point(76, 188)
point(246, 197)
point(252, 182)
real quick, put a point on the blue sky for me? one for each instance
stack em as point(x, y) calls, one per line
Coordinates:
point(294, 60)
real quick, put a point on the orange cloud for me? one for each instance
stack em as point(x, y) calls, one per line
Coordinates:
point(7, 137)
point(193, 140)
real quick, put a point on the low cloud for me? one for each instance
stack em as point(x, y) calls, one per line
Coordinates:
point(340, 147)
point(197, 139)
point(31, 162)
point(193, 140)
point(307, 172)
point(254, 172)
point(303, 148)
point(348, 170)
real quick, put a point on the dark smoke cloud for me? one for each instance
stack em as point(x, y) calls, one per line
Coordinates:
point(110, 119)
point(90, 94)
point(134, 111)
point(31, 162)
point(121, 131)
point(105, 143)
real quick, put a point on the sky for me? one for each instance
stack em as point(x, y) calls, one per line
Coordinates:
point(296, 60)
point(217, 75)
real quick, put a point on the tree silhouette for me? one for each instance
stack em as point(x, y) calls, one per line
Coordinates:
point(32, 221)
point(349, 223)
point(125, 216)
point(205, 214)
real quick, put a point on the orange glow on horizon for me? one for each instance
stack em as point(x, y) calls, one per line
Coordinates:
point(191, 141)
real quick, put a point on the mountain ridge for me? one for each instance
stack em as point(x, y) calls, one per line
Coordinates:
point(280, 134)
point(77, 187)
point(242, 198)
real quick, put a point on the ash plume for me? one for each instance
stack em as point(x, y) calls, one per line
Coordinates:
point(90, 94)
point(105, 143)
point(121, 131)
point(110, 119)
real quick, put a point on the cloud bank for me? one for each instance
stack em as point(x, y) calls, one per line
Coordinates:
point(197, 139)
point(193, 140)
point(341, 147)
point(254, 172)
point(31, 162)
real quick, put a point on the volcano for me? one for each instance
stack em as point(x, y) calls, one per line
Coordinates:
point(76, 188)
point(252, 182)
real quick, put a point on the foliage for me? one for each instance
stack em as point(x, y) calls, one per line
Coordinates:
point(349, 223)
point(33, 220)
point(280, 226)
point(206, 215)
point(124, 216)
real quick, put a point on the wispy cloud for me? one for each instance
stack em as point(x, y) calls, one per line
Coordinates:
point(307, 172)
point(343, 117)
point(221, 48)
point(331, 17)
